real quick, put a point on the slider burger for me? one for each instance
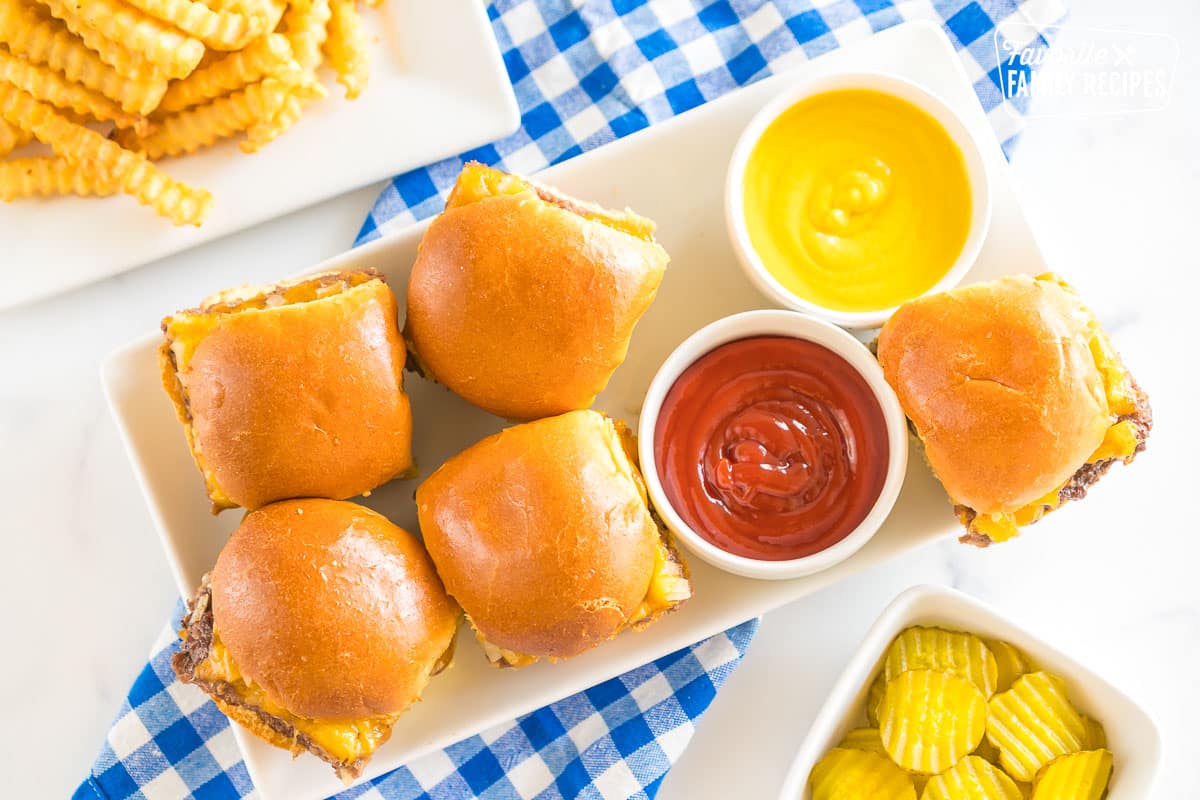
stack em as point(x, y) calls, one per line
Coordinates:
point(522, 301)
point(1018, 396)
point(319, 625)
point(292, 390)
point(543, 534)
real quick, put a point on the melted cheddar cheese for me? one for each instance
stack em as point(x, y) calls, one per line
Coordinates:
point(477, 182)
point(344, 740)
point(187, 329)
point(668, 587)
point(1120, 440)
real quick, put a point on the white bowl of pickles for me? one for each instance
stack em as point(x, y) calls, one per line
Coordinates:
point(947, 700)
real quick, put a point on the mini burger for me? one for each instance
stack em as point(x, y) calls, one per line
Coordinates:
point(543, 534)
point(292, 390)
point(522, 300)
point(319, 625)
point(1018, 396)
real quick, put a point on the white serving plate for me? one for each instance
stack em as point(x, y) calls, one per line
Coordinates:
point(674, 173)
point(438, 87)
point(1132, 736)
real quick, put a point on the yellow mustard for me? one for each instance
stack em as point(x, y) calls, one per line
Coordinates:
point(856, 200)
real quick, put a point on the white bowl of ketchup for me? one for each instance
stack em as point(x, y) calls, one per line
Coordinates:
point(771, 444)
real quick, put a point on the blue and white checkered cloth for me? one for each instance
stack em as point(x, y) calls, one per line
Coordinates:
point(584, 74)
point(615, 740)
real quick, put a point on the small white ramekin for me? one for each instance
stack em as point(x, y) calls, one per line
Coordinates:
point(1133, 737)
point(735, 218)
point(774, 322)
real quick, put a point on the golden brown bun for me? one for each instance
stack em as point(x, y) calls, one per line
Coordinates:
point(294, 390)
point(337, 613)
point(1001, 385)
point(542, 533)
point(524, 305)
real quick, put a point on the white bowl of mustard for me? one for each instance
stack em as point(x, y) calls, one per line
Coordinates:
point(853, 193)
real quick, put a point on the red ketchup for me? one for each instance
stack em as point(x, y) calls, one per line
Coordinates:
point(771, 447)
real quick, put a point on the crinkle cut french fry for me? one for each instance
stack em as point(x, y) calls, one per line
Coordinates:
point(275, 9)
point(132, 42)
point(51, 87)
point(250, 8)
point(221, 30)
point(79, 145)
point(306, 23)
point(266, 56)
point(46, 176)
point(116, 55)
point(12, 137)
point(346, 47)
point(272, 10)
point(300, 92)
point(48, 41)
point(190, 130)
point(262, 133)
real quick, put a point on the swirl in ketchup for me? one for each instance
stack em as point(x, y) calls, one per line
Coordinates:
point(771, 447)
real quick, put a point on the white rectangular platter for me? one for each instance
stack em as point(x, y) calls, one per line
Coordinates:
point(673, 173)
point(425, 101)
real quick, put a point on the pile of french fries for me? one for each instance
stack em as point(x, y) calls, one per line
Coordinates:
point(111, 86)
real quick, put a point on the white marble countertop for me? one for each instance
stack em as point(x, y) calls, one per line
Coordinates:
point(1114, 581)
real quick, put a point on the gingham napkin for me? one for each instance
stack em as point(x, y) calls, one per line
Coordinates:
point(584, 74)
point(615, 740)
